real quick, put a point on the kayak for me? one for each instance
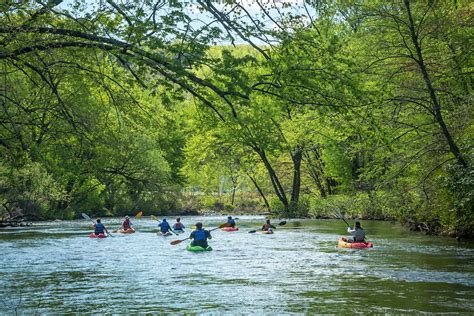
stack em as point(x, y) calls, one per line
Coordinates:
point(165, 234)
point(356, 245)
point(265, 231)
point(93, 235)
point(230, 229)
point(127, 231)
point(197, 248)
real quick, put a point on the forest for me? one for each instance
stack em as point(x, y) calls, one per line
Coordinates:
point(288, 108)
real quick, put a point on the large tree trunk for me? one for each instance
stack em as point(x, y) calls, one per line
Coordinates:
point(279, 191)
point(434, 99)
point(234, 187)
point(296, 156)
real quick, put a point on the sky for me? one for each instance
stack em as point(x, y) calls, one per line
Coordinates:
point(294, 7)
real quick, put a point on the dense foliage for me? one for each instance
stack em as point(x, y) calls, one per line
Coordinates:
point(359, 106)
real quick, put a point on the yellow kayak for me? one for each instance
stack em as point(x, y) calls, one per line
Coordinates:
point(343, 243)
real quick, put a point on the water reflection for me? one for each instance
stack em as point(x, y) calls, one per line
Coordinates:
point(54, 267)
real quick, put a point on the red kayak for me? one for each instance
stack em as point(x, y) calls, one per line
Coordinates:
point(93, 235)
point(230, 229)
point(343, 243)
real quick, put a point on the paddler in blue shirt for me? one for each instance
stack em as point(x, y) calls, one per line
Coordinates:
point(99, 228)
point(231, 221)
point(164, 227)
point(200, 236)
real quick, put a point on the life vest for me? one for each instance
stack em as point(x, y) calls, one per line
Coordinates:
point(126, 224)
point(359, 235)
point(200, 235)
point(178, 226)
point(99, 228)
point(267, 226)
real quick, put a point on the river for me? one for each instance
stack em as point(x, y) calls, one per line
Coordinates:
point(53, 267)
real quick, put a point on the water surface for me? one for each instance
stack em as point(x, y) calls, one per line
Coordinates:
point(54, 267)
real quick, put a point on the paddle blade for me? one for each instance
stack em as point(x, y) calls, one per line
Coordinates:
point(224, 225)
point(85, 216)
point(175, 242)
point(282, 223)
point(114, 231)
point(139, 214)
point(337, 213)
point(252, 231)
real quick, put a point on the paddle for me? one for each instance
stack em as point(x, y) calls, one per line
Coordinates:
point(85, 216)
point(156, 219)
point(139, 214)
point(339, 215)
point(175, 242)
point(279, 224)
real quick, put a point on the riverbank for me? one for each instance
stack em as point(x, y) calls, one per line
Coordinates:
point(352, 207)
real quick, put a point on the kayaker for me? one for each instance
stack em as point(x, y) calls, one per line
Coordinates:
point(358, 233)
point(267, 226)
point(99, 228)
point(126, 225)
point(200, 236)
point(164, 226)
point(178, 225)
point(231, 221)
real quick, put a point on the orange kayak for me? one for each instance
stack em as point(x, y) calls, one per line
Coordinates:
point(343, 243)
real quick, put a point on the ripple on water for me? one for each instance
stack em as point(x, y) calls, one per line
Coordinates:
point(56, 268)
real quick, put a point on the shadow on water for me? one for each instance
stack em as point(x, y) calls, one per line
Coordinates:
point(54, 267)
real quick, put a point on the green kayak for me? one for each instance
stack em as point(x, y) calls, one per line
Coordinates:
point(198, 248)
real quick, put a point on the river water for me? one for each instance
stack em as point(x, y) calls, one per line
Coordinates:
point(54, 267)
